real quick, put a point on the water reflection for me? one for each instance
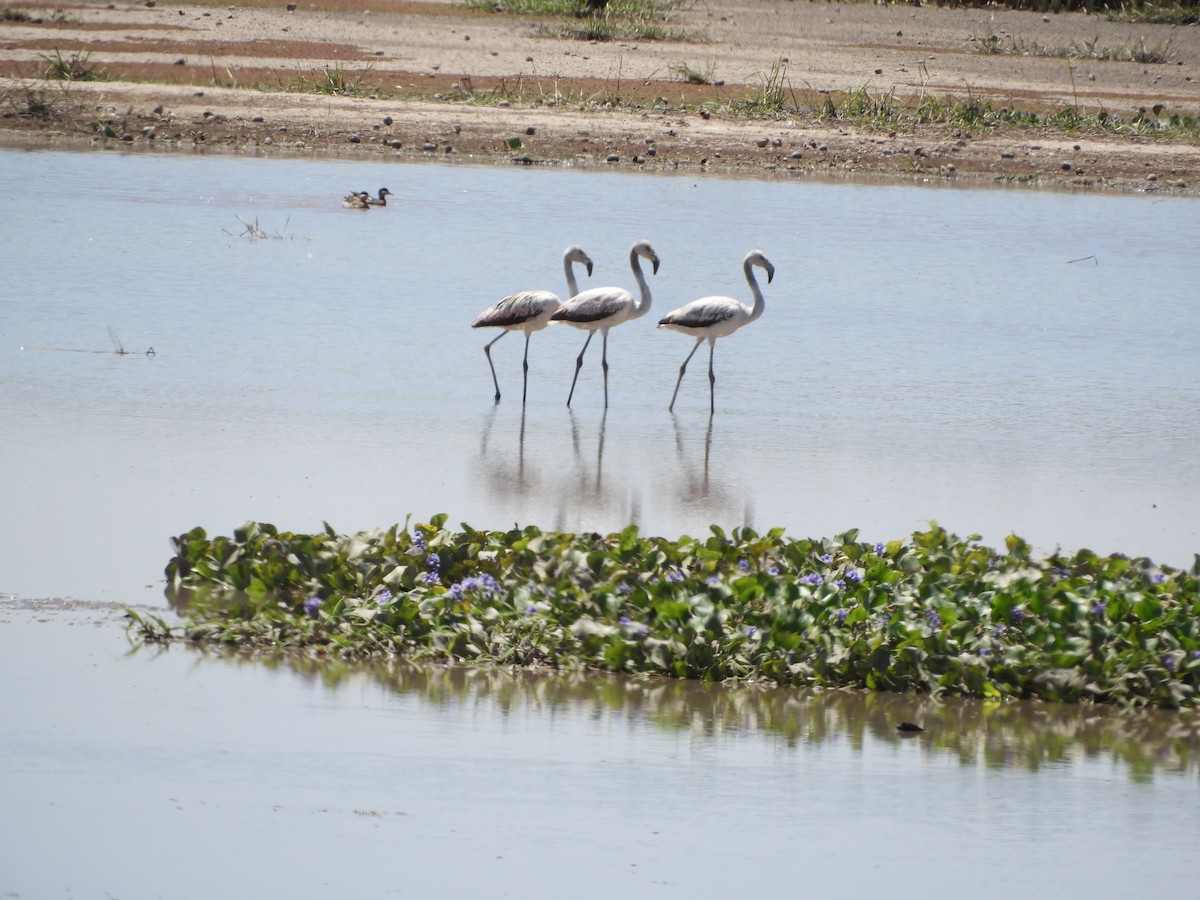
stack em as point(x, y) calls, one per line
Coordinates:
point(581, 476)
point(1022, 735)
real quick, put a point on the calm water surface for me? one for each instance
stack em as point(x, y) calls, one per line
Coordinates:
point(996, 361)
point(181, 775)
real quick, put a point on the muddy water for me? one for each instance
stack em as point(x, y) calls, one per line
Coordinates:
point(180, 775)
point(996, 361)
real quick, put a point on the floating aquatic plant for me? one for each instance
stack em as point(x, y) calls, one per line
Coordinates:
point(932, 613)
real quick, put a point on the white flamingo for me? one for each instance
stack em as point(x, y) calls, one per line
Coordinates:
point(710, 318)
point(528, 311)
point(599, 309)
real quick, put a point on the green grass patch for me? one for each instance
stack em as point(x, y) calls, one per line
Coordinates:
point(74, 67)
point(933, 613)
point(1137, 51)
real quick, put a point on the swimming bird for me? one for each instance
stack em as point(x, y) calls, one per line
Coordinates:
point(909, 728)
point(381, 200)
point(357, 200)
point(710, 318)
point(529, 311)
point(602, 308)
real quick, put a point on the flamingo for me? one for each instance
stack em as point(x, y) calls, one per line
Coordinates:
point(528, 311)
point(714, 317)
point(599, 309)
point(381, 200)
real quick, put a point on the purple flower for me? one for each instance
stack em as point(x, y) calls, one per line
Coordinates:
point(419, 540)
point(773, 570)
point(878, 549)
point(433, 562)
point(985, 652)
point(853, 575)
point(712, 579)
point(312, 607)
point(384, 598)
point(431, 578)
point(839, 584)
point(812, 578)
point(750, 629)
point(826, 558)
point(1017, 615)
point(1098, 609)
point(1158, 578)
point(840, 614)
point(1195, 654)
point(674, 577)
point(482, 584)
point(623, 589)
point(935, 621)
point(624, 620)
point(1169, 662)
point(531, 609)
point(743, 565)
point(998, 632)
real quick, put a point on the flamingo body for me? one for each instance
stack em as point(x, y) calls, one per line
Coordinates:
point(528, 311)
point(602, 308)
point(715, 317)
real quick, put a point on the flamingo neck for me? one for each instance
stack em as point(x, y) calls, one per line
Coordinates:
point(641, 304)
point(572, 287)
point(759, 303)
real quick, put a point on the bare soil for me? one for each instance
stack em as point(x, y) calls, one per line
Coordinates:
point(436, 79)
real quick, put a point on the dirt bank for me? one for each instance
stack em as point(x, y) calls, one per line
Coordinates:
point(436, 79)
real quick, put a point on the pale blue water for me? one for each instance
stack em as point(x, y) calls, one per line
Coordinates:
point(181, 775)
point(925, 354)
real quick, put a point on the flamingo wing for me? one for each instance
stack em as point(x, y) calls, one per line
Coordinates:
point(517, 309)
point(703, 313)
point(594, 305)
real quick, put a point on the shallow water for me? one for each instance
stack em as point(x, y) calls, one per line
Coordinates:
point(182, 775)
point(925, 354)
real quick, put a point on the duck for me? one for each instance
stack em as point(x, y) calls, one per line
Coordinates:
point(909, 728)
point(380, 200)
point(357, 200)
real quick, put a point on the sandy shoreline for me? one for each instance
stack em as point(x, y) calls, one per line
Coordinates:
point(603, 104)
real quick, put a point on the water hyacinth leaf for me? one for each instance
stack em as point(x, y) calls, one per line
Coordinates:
point(933, 612)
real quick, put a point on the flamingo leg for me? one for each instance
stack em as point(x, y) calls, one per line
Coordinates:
point(683, 369)
point(578, 366)
point(604, 366)
point(525, 370)
point(712, 379)
point(487, 350)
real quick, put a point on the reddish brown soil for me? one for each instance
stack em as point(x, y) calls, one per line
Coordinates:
point(437, 79)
